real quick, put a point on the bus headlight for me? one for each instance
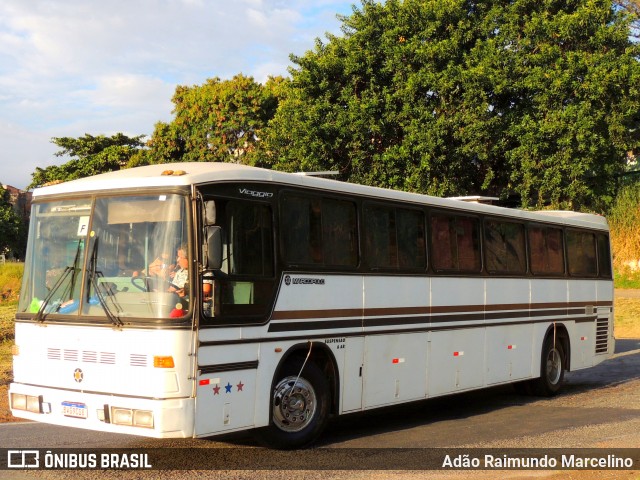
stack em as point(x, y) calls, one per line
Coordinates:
point(28, 403)
point(122, 416)
point(143, 418)
point(18, 401)
point(131, 417)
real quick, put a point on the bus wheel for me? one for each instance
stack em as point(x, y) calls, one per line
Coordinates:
point(551, 369)
point(299, 406)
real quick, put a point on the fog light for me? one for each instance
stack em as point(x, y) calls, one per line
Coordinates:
point(121, 416)
point(18, 401)
point(143, 418)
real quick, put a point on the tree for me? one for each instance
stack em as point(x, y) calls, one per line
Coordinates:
point(13, 229)
point(451, 97)
point(89, 156)
point(221, 120)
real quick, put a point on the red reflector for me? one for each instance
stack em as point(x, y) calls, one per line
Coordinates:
point(204, 382)
point(583, 338)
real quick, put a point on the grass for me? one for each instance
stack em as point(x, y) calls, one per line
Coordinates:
point(7, 312)
point(627, 279)
point(10, 280)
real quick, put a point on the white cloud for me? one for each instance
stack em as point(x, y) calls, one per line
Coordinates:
point(71, 67)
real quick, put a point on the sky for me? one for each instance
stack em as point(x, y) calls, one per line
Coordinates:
point(70, 67)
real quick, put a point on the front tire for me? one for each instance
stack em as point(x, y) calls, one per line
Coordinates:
point(299, 406)
point(552, 368)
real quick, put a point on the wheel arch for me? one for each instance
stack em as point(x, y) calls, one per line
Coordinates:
point(323, 357)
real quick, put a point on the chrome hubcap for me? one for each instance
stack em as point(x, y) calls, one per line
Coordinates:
point(554, 366)
point(294, 404)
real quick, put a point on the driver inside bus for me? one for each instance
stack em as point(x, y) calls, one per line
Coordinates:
point(180, 277)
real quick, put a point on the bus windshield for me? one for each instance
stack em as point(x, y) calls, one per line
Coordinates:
point(115, 257)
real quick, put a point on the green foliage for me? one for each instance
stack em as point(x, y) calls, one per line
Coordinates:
point(10, 282)
point(13, 228)
point(626, 279)
point(90, 156)
point(624, 223)
point(450, 97)
point(218, 121)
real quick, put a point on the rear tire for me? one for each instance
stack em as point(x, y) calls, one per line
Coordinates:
point(552, 368)
point(299, 406)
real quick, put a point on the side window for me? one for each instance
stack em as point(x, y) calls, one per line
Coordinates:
point(244, 290)
point(504, 247)
point(412, 252)
point(380, 234)
point(395, 238)
point(604, 256)
point(250, 239)
point(546, 255)
point(318, 231)
point(581, 253)
point(455, 243)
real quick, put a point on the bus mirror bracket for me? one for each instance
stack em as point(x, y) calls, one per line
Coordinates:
point(214, 247)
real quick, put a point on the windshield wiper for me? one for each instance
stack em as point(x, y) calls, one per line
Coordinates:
point(69, 270)
point(93, 276)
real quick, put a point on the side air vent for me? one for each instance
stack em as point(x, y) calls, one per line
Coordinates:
point(71, 355)
point(137, 360)
point(90, 357)
point(107, 358)
point(602, 335)
point(54, 353)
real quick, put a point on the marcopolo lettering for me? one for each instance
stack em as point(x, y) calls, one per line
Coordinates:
point(288, 280)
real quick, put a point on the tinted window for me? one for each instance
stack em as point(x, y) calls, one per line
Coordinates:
point(604, 256)
point(504, 247)
point(581, 253)
point(455, 243)
point(395, 238)
point(546, 255)
point(319, 231)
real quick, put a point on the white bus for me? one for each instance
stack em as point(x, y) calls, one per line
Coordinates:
point(304, 298)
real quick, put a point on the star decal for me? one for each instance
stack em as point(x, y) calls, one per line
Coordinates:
point(228, 388)
point(216, 390)
point(240, 385)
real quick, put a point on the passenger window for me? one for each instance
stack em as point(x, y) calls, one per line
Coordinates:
point(581, 253)
point(455, 243)
point(395, 238)
point(319, 231)
point(546, 255)
point(604, 257)
point(504, 247)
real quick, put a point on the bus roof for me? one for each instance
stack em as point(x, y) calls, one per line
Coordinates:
point(196, 173)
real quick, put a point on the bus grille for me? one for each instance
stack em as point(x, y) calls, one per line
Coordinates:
point(87, 356)
point(602, 335)
point(136, 360)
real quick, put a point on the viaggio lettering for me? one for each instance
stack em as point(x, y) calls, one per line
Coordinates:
point(253, 193)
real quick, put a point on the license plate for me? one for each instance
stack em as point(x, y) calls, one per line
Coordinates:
point(74, 409)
